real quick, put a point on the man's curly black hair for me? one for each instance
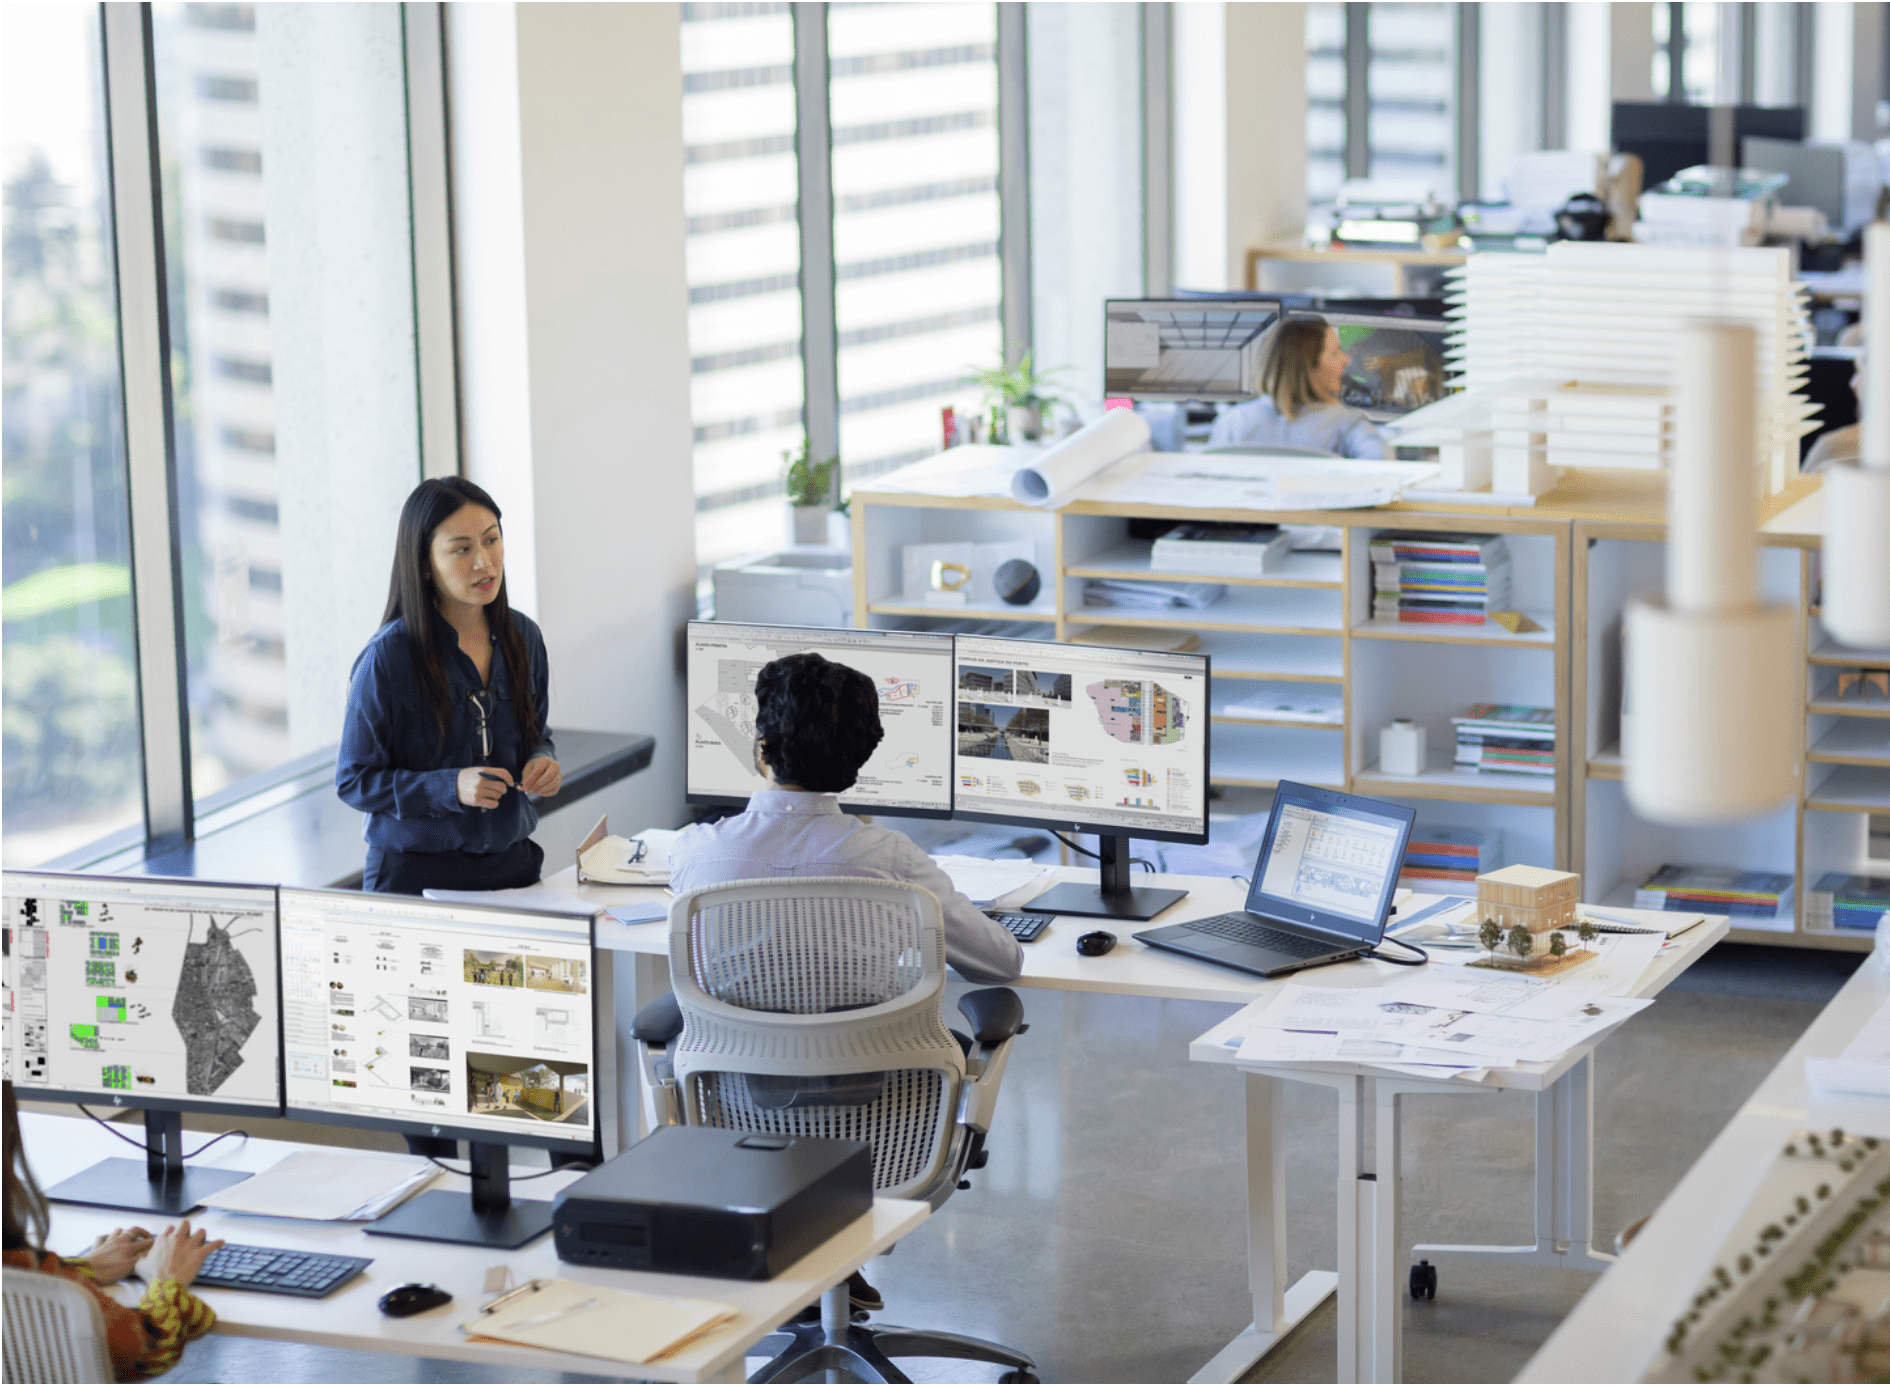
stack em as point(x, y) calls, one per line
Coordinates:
point(817, 721)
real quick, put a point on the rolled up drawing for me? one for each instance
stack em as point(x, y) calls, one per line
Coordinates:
point(1060, 469)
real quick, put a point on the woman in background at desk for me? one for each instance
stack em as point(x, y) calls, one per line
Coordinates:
point(143, 1341)
point(1301, 376)
point(445, 734)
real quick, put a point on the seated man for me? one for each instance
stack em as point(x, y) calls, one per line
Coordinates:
point(816, 724)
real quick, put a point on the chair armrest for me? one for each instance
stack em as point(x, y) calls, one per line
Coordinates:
point(995, 1014)
point(660, 1021)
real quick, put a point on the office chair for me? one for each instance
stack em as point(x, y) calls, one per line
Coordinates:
point(811, 1007)
point(55, 1331)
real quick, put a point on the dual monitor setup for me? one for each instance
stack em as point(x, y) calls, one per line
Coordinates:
point(1208, 351)
point(1071, 738)
point(388, 1012)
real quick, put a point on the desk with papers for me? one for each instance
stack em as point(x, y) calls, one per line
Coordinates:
point(1369, 1337)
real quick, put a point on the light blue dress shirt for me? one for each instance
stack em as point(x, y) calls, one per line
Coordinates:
point(787, 832)
point(1334, 428)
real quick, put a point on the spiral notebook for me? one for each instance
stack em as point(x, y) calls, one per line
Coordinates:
point(595, 1321)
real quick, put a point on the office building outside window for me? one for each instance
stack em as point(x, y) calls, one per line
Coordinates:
point(1408, 55)
point(71, 761)
point(743, 254)
point(1325, 102)
point(282, 139)
point(914, 96)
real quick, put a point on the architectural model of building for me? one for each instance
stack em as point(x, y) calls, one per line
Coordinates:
point(1539, 900)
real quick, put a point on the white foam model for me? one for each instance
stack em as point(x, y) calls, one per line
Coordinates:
point(1568, 359)
point(1857, 494)
point(1710, 672)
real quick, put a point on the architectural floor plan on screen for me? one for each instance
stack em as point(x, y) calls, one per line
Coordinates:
point(1330, 861)
point(166, 998)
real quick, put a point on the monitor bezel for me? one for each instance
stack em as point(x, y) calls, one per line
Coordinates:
point(447, 1130)
point(1323, 921)
point(132, 1101)
point(869, 806)
point(1077, 823)
point(1277, 305)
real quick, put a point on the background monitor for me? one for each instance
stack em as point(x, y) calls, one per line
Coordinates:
point(1819, 176)
point(468, 1022)
point(146, 993)
point(910, 773)
point(1397, 361)
point(1089, 739)
point(1670, 137)
point(1185, 349)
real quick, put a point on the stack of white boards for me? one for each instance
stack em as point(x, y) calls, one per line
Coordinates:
point(1221, 550)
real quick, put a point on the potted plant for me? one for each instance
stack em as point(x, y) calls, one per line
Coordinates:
point(809, 487)
point(1017, 396)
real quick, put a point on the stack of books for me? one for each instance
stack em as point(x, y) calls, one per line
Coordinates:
point(1506, 738)
point(1222, 550)
point(1151, 596)
point(1442, 579)
point(1838, 901)
point(1716, 890)
point(1439, 860)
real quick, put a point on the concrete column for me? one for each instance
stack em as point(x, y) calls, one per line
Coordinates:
point(1590, 79)
point(568, 157)
point(1509, 91)
point(1847, 68)
point(1631, 43)
point(334, 120)
point(1239, 135)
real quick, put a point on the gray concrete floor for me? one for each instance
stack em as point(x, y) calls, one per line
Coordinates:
point(1107, 1235)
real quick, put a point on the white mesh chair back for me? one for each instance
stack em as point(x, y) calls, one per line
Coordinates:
point(54, 1330)
point(820, 977)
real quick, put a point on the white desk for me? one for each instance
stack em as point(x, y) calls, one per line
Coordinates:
point(1369, 1349)
point(1372, 1255)
point(350, 1316)
point(1617, 1332)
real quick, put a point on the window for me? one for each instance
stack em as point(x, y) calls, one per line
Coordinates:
point(71, 719)
point(741, 194)
point(1325, 101)
point(1692, 43)
point(282, 140)
point(1407, 54)
point(915, 221)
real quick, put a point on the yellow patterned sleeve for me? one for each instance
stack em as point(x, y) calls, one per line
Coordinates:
point(173, 1316)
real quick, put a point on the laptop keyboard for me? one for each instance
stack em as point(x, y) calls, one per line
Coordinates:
point(1242, 928)
point(276, 1271)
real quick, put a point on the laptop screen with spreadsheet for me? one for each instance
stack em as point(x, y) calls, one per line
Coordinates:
point(1330, 860)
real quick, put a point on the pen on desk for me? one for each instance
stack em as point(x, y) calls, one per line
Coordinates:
point(554, 1315)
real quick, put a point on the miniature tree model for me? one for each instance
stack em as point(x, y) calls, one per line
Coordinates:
point(1557, 945)
point(1490, 935)
point(1586, 931)
point(1521, 942)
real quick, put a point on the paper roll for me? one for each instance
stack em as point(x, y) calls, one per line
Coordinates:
point(1048, 481)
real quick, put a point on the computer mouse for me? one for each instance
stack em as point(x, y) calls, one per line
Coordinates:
point(1095, 943)
point(404, 1300)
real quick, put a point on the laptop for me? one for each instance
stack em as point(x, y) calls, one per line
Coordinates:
point(1321, 890)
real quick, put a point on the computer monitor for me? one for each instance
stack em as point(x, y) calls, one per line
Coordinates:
point(1818, 174)
point(1181, 349)
point(138, 992)
point(1397, 361)
point(1669, 137)
point(909, 774)
point(468, 1022)
point(1089, 739)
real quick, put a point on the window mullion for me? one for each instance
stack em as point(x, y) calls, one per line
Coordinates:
point(144, 349)
point(428, 180)
point(1014, 179)
point(1158, 216)
point(813, 139)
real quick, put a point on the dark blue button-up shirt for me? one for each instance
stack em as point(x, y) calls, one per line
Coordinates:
point(394, 766)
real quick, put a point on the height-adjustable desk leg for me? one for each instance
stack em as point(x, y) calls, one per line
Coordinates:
point(1565, 1181)
point(1276, 1307)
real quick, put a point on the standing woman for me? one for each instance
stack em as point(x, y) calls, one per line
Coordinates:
point(445, 735)
point(1302, 373)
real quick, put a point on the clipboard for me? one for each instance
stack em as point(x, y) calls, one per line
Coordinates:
point(656, 872)
point(596, 1321)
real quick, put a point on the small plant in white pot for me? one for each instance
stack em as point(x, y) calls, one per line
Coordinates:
point(810, 493)
point(1017, 396)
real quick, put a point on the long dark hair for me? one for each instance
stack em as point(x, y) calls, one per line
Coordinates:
point(27, 1217)
point(410, 599)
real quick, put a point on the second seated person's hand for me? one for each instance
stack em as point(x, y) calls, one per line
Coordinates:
point(482, 786)
point(179, 1254)
point(112, 1256)
point(541, 776)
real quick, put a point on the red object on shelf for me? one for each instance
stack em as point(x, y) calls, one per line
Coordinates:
point(949, 418)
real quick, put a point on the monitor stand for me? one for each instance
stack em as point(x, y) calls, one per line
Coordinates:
point(490, 1216)
point(160, 1183)
point(1113, 898)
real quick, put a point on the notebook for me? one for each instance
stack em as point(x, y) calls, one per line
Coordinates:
point(594, 1321)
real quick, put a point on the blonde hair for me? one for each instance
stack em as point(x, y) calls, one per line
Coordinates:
point(1287, 361)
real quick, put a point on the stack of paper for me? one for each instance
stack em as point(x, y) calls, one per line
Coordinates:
point(328, 1185)
point(1449, 579)
point(1272, 705)
point(1220, 549)
point(596, 1321)
point(1151, 595)
point(1006, 884)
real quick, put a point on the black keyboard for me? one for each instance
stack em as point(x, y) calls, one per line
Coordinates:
point(1024, 927)
point(1242, 928)
point(277, 1272)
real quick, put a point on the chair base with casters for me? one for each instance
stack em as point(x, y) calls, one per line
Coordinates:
point(864, 1351)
